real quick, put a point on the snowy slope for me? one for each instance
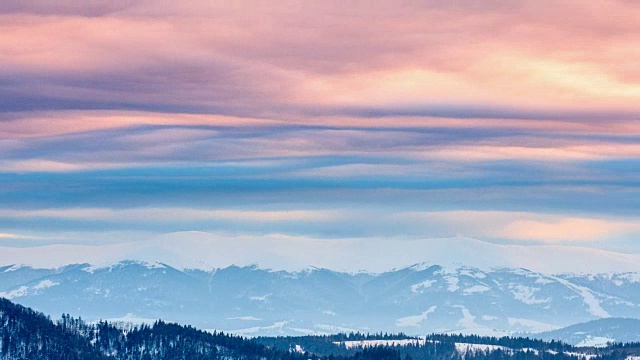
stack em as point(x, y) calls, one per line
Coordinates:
point(597, 332)
point(252, 301)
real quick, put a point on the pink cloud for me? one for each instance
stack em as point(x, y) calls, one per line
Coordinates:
point(274, 65)
point(526, 226)
point(565, 55)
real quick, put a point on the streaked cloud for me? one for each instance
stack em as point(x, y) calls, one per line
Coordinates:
point(313, 55)
point(568, 229)
point(153, 215)
point(526, 226)
point(491, 225)
point(499, 120)
point(15, 236)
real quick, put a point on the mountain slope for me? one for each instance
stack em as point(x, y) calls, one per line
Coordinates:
point(27, 334)
point(254, 301)
point(597, 332)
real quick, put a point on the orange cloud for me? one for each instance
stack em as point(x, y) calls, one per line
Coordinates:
point(526, 226)
point(564, 229)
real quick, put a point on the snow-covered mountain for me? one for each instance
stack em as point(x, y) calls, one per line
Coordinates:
point(208, 251)
point(250, 300)
point(597, 332)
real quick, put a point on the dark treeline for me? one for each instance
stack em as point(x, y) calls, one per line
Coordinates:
point(333, 345)
point(506, 341)
point(326, 344)
point(27, 334)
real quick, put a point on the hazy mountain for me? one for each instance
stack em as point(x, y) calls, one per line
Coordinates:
point(597, 332)
point(209, 251)
point(249, 300)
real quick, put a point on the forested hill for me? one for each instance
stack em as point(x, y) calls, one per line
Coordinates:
point(27, 334)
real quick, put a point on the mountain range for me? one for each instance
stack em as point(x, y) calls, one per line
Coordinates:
point(208, 251)
point(249, 300)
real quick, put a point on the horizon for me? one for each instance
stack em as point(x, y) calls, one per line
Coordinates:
point(205, 251)
point(508, 123)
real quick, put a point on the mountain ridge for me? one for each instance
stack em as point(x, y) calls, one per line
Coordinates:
point(252, 301)
point(597, 333)
point(208, 251)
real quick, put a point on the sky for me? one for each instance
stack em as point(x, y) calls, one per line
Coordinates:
point(509, 122)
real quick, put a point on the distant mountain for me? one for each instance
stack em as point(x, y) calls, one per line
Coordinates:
point(195, 250)
point(597, 332)
point(416, 300)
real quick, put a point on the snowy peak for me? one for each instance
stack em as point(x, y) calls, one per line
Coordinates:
point(254, 301)
point(122, 264)
point(209, 251)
